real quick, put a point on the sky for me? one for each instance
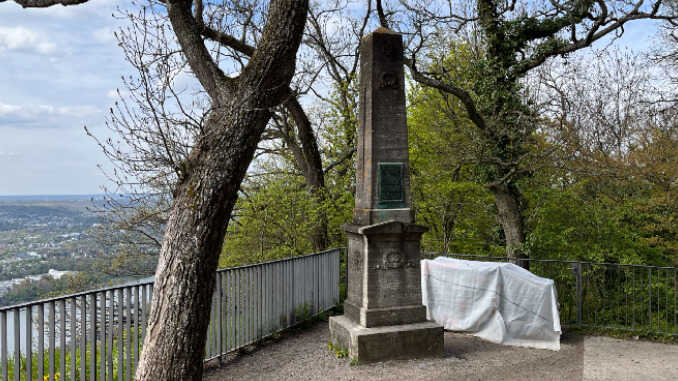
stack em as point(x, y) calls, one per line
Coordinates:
point(59, 71)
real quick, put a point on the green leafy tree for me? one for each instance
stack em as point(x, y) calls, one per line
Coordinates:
point(510, 39)
point(447, 199)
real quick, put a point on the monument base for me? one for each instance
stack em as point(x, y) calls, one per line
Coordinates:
point(377, 317)
point(392, 342)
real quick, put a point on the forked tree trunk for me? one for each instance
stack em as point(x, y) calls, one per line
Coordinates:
point(177, 325)
point(507, 200)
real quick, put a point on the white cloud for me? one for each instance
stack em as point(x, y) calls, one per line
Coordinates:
point(20, 38)
point(45, 99)
point(32, 113)
point(113, 94)
point(104, 35)
point(6, 109)
point(117, 94)
point(8, 155)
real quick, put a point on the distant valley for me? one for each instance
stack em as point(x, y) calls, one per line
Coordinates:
point(49, 245)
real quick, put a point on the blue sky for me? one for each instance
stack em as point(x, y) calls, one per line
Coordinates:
point(59, 68)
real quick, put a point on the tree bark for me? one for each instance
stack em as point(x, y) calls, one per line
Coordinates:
point(308, 158)
point(185, 277)
point(507, 200)
point(305, 150)
point(205, 196)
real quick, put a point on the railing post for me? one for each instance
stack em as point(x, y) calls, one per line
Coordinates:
point(3, 345)
point(29, 343)
point(17, 345)
point(649, 296)
point(220, 326)
point(580, 301)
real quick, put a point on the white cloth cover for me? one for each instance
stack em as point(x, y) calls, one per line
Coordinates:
point(499, 302)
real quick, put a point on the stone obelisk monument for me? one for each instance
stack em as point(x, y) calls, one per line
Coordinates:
point(383, 315)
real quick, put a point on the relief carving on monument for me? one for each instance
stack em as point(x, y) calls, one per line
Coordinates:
point(357, 260)
point(393, 259)
point(388, 81)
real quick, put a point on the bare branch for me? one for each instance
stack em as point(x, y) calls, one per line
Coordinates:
point(458, 92)
point(227, 40)
point(342, 159)
point(383, 21)
point(202, 64)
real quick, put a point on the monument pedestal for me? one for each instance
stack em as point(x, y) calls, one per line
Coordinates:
point(391, 342)
point(383, 315)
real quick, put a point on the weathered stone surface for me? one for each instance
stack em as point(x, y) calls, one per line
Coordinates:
point(379, 317)
point(382, 175)
point(406, 341)
point(384, 274)
point(356, 262)
point(383, 315)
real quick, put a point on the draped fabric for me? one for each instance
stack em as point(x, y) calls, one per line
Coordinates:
point(499, 302)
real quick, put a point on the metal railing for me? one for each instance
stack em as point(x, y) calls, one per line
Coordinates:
point(97, 335)
point(608, 295)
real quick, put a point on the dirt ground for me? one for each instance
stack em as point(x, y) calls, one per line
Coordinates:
point(303, 355)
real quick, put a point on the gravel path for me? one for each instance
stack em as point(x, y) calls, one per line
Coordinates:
point(629, 360)
point(303, 355)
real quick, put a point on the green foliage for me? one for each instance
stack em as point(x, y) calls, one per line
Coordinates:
point(302, 312)
point(446, 198)
point(568, 213)
point(339, 352)
point(58, 352)
point(565, 224)
point(272, 221)
point(276, 213)
point(601, 220)
point(336, 134)
point(446, 193)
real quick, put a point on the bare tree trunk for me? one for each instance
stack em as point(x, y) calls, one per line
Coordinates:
point(507, 200)
point(310, 162)
point(174, 346)
point(206, 194)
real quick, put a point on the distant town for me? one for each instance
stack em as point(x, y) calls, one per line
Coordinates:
point(50, 245)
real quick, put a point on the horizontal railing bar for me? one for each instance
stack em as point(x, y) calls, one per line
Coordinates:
point(588, 325)
point(278, 260)
point(554, 260)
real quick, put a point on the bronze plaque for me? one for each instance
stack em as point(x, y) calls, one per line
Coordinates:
point(390, 182)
